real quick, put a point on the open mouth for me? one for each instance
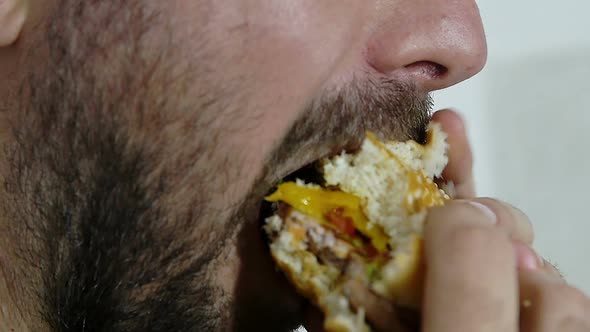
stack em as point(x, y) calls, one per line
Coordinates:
point(309, 174)
point(347, 229)
point(341, 226)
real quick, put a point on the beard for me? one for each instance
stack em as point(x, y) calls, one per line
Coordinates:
point(117, 177)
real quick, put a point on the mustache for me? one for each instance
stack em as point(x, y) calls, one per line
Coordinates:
point(338, 121)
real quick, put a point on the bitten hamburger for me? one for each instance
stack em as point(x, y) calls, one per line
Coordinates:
point(360, 227)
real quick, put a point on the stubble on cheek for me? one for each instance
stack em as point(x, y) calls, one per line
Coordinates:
point(139, 155)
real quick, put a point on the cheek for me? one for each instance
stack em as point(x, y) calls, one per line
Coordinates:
point(297, 45)
point(272, 57)
point(289, 49)
point(282, 50)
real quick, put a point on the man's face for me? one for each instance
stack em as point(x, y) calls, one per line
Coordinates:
point(144, 135)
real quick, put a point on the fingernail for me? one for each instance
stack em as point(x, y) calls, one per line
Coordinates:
point(491, 216)
point(526, 258)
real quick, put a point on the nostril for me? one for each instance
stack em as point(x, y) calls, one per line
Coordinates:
point(428, 69)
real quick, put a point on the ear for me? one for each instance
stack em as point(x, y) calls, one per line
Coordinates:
point(13, 14)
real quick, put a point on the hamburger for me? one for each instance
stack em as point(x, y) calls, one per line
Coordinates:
point(353, 237)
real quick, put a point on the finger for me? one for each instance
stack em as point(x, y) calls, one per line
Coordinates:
point(471, 282)
point(511, 219)
point(549, 304)
point(551, 268)
point(460, 167)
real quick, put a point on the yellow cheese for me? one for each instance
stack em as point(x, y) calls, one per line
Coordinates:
point(318, 202)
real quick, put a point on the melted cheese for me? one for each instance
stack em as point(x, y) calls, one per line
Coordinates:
point(318, 202)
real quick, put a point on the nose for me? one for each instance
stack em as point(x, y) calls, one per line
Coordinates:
point(433, 43)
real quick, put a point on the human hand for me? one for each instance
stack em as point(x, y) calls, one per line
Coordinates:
point(482, 276)
point(482, 273)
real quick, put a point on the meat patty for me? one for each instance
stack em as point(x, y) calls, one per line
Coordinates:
point(332, 248)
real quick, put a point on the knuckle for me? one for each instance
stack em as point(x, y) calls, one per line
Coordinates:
point(512, 219)
point(524, 231)
point(571, 294)
point(577, 298)
point(556, 306)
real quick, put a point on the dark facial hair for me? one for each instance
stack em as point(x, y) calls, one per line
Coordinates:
point(91, 198)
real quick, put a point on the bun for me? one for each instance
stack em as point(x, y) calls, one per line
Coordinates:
point(385, 189)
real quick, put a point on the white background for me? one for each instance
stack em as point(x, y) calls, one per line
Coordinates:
point(529, 121)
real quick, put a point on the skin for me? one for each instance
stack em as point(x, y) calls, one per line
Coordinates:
point(140, 138)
